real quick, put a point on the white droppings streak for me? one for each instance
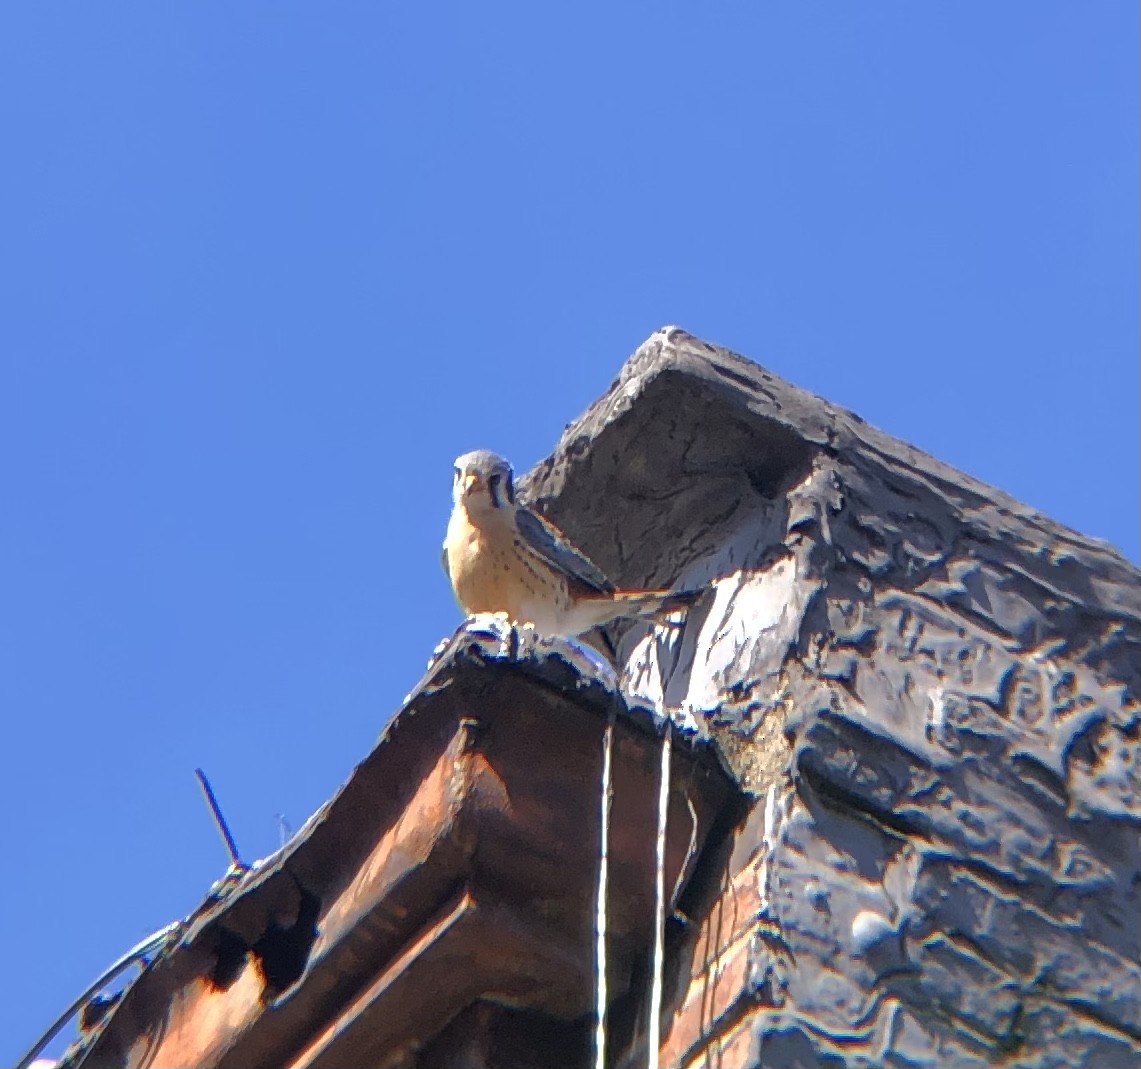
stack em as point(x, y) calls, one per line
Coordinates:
point(654, 1039)
point(600, 909)
point(776, 812)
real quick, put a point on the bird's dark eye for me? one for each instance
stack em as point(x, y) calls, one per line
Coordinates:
point(456, 474)
point(493, 488)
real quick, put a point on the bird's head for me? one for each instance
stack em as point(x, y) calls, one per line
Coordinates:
point(483, 480)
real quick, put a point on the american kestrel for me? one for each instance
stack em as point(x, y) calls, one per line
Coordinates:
point(503, 558)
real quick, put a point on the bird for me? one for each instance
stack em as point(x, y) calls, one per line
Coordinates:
point(501, 557)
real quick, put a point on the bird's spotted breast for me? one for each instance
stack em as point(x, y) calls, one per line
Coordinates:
point(492, 572)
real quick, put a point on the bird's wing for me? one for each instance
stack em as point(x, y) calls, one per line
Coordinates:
point(549, 543)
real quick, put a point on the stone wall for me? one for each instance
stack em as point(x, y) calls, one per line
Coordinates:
point(931, 695)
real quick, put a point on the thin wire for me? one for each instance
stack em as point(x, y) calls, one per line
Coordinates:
point(223, 827)
point(600, 909)
point(654, 1040)
point(690, 852)
point(140, 950)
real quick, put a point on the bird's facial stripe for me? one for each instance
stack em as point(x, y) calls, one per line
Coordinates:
point(493, 489)
point(509, 486)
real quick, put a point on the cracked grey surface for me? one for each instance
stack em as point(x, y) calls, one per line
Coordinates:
point(934, 691)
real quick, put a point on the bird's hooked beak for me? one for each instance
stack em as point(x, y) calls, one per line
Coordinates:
point(471, 482)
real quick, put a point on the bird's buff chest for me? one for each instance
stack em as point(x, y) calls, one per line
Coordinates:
point(491, 572)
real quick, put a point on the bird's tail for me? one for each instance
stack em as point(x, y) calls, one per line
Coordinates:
point(649, 604)
point(655, 602)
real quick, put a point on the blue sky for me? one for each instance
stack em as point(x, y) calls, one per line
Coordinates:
point(265, 269)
